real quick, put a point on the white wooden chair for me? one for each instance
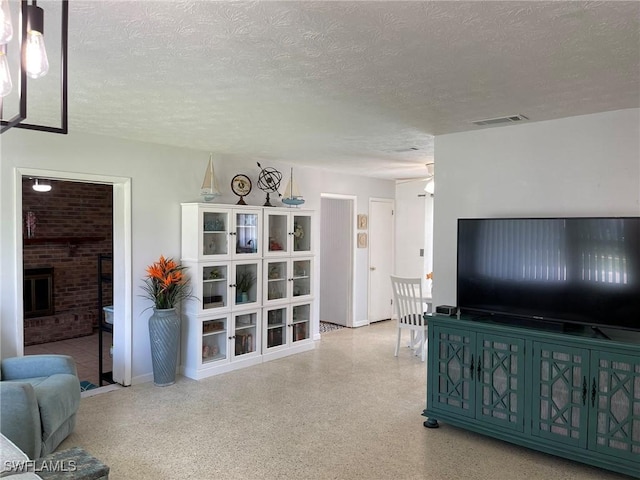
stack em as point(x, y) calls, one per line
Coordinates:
point(411, 307)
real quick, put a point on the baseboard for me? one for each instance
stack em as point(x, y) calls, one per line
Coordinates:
point(147, 377)
point(99, 390)
point(361, 323)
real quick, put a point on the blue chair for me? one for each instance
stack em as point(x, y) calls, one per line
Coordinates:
point(39, 399)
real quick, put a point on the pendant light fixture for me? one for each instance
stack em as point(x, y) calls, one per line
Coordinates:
point(34, 60)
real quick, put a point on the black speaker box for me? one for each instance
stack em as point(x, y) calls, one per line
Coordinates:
point(446, 310)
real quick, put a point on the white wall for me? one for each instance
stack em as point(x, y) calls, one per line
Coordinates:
point(578, 166)
point(413, 207)
point(161, 178)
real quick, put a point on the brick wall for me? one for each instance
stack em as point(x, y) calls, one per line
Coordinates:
point(73, 211)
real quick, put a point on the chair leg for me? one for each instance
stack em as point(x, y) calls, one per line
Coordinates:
point(398, 342)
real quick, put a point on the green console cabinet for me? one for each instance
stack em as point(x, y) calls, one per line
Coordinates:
point(570, 394)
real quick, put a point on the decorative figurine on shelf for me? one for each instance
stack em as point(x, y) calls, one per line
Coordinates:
point(292, 197)
point(269, 182)
point(273, 245)
point(209, 189)
point(298, 235)
point(241, 186)
point(274, 273)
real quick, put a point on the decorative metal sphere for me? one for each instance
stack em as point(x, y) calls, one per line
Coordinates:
point(269, 179)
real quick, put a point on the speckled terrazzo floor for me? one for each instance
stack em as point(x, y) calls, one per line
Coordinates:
point(347, 410)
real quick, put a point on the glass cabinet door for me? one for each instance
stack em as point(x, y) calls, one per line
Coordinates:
point(214, 340)
point(301, 277)
point(500, 381)
point(245, 337)
point(614, 397)
point(276, 280)
point(247, 225)
point(559, 379)
point(276, 233)
point(301, 233)
point(247, 284)
point(215, 281)
point(452, 385)
point(300, 322)
point(275, 327)
point(215, 233)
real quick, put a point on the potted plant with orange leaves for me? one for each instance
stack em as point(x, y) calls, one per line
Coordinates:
point(166, 285)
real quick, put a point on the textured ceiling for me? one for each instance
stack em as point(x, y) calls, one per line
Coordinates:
point(359, 86)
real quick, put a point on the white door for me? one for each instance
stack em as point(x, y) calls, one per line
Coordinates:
point(381, 228)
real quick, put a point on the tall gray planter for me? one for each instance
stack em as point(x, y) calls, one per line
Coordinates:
point(164, 334)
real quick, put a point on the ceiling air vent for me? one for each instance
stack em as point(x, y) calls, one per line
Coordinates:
point(500, 120)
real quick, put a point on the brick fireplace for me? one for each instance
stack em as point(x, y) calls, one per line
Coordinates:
point(38, 292)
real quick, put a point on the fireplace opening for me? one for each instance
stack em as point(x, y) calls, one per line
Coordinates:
point(38, 292)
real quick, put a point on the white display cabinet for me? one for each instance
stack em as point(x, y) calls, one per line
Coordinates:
point(287, 279)
point(287, 232)
point(211, 233)
point(248, 308)
point(287, 329)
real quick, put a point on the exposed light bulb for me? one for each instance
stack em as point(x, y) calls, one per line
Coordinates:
point(6, 28)
point(5, 76)
point(36, 61)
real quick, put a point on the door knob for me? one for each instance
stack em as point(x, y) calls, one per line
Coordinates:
point(372, 268)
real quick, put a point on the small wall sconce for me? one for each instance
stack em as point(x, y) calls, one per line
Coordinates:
point(41, 185)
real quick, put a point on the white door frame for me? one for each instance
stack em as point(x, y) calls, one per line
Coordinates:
point(352, 293)
point(393, 250)
point(122, 285)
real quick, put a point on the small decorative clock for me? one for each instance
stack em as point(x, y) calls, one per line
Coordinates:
point(241, 186)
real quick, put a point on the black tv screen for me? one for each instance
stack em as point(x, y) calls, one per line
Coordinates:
point(568, 270)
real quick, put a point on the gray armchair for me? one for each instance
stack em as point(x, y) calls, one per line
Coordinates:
point(39, 398)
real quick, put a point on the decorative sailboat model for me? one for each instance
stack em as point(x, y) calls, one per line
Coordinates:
point(292, 195)
point(209, 189)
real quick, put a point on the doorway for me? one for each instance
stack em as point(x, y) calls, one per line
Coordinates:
point(68, 226)
point(121, 248)
point(337, 255)
point(381, 258)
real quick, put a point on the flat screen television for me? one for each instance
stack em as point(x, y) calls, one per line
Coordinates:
point(553, 270)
